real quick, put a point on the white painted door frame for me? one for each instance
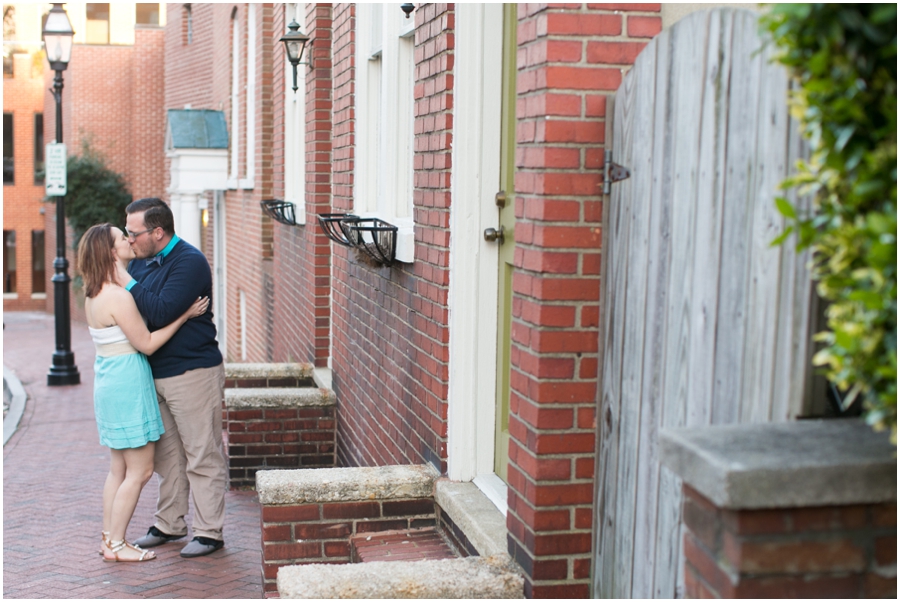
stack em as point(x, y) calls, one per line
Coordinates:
point(473, 261)
point(220, 281)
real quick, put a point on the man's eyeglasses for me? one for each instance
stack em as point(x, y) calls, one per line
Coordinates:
point(133, 235)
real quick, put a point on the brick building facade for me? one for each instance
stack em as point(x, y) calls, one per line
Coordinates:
point(26, 278)
point(385, 332)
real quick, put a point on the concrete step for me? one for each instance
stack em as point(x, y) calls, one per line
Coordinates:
point(269, 375)
point(461, 578)
point(392, 546)
point(278, 397)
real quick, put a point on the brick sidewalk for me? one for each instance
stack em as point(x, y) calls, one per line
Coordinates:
point(53, 474)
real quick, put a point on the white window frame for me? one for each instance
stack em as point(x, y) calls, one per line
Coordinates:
point(295, 126)
point(250, 101)
point(385, 71)
point(235, 138)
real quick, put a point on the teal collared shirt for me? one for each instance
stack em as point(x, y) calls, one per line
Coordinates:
point(162, 253)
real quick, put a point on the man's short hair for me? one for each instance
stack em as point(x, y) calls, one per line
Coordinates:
point(157, 213)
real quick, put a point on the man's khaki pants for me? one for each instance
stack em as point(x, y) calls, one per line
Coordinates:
point(189, 454)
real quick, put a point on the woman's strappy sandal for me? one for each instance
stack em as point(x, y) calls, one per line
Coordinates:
point(104, 541)
point(117, 546)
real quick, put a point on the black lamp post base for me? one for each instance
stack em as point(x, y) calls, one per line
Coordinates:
point(63, 371)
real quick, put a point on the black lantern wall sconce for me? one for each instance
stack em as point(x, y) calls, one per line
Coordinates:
point(408, 7)
point(294, 44)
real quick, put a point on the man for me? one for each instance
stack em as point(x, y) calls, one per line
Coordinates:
point(165, 277)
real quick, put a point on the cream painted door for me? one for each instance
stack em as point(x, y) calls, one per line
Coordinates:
point(507, 220)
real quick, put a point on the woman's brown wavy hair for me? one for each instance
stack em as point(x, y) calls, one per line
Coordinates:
point(95, 258)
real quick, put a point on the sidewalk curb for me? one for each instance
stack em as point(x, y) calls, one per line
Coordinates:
point(16, 406)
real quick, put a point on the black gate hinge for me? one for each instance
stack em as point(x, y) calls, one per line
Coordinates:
point(612, 172)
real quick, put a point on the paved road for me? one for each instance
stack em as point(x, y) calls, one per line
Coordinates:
point(53, 473)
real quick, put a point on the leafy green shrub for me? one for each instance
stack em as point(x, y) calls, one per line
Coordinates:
point(844, 58)
point(94, 193)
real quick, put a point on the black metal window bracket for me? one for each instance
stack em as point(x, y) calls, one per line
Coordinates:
point(281, 211)
point(375, 240)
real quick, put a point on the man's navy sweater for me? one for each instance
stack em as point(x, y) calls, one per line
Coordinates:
point(164, 292)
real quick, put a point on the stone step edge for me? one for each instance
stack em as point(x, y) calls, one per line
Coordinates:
point(354, 484)
point(474, 514)
point(237, 371)
point(278, 397)
point(473, 577)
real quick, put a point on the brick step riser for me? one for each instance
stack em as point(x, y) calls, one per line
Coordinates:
point(291, 426)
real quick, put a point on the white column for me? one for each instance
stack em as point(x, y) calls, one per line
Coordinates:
point(175, 206)
point(187, 225)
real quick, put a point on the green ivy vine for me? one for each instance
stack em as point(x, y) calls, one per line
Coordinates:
point(844, 58)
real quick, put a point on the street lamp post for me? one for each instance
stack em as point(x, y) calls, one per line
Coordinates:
point(57, 36)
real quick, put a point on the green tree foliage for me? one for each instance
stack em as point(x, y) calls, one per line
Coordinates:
point(844, 60)
point(94, 193)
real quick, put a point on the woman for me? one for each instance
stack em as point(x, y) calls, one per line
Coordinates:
point(125, 401)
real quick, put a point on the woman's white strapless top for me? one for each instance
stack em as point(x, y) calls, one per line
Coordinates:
point(111, 341)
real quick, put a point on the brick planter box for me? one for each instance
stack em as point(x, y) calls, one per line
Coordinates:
point(274, 418)
point(277, 428)
point(797, 510)
point(308, 516)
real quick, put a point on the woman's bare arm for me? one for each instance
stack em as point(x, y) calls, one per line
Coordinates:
point(126, 315)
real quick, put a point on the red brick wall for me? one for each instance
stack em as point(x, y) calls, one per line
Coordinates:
point(23, 96)
point(571, 57)
point(148, 175)
point(302, 256)
point(819, 552)
point(98, 94)
point(390, 324)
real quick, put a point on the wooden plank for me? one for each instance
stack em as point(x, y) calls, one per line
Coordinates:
point(765, 260)
point(614, 304)
point(790, 293)
point(599, 474)
point(634, 121)
point(793, 367)
point(688, 58)
point(708, 224)
point(806, 307)
point(737, 203)
point(658, 260)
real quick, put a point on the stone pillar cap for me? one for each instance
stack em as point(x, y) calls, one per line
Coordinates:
point(782, 465)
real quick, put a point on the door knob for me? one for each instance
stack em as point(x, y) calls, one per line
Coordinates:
point(492, 234)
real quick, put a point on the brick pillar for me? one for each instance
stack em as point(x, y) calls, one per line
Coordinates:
point(344, 74)
point(318, 176)
point(303, 253)
point(847, 551)
point(569, 61)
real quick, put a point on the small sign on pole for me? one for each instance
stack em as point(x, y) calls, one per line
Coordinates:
point(55, 176)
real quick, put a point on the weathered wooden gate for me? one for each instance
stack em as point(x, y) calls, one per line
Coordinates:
point(704, 322)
